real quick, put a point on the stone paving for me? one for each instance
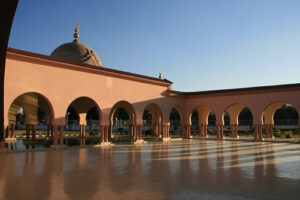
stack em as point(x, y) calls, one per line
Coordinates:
point(187, 169)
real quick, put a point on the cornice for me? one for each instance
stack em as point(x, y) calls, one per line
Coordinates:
point(236, 91)
point(26, 56)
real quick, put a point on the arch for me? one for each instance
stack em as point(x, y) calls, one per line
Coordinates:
point(156, 113)
point(233, 112)
point(269, 111)
point(82, 105)
point(203, 114)
point(179, 110)
point(156, 118)
point(176, 125)
point(129, 109)
point(30, 102)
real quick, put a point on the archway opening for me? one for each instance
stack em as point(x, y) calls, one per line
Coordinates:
point(121, 123)
point(211, 127)
point(20, 118)
point(286, 121)
point(238, 121)
point(195, 123)
point(281, 120)
point(72, 119)
point(175, 123)
point(152, 121)
point(203, 121)
point(83, 119)
point(245, 122)
point(92, 121)
point(30, 116)
point(227, 128)
point(122, 119)
point(147, 123)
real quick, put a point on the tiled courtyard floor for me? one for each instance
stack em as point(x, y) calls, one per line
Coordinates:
point(187, 169)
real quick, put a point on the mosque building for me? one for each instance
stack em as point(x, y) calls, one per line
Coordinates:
point(73, 76)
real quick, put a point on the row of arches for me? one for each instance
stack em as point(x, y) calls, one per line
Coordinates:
point(34, 109)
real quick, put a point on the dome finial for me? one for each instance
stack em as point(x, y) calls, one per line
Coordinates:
point(76, 34)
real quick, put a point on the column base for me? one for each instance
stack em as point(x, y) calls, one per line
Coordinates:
point(10, 139)
point(103, 144)
point(235, 136)
point(167, 139)
point(188, 137)
point(139, 142)
point(58, 146)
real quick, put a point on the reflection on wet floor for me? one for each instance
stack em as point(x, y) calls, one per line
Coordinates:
point(22, 144)
point(179, 170)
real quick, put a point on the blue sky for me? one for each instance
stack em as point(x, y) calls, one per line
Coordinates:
point(197, 44)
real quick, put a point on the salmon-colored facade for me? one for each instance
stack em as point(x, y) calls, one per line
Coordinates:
point(33, 80)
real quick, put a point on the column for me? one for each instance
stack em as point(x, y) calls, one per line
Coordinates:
point(83, 130)
point(54, 134)
point(61, 135)
point(139, 132)
point(155, 130)
point(132, 132)
point(159, 130)
point(269, 130)
point(33, 127)
point(187, 130)
point(258, 131)
point(27, 132)
point(105, 134)
point(234, 130)
point(102, 134)
point(220, 134)
point(163, 134)
point(165, 131)
point(82, 124)
point(201, 131)
point(205, 130)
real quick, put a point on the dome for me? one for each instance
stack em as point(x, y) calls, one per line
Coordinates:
point(76, 51)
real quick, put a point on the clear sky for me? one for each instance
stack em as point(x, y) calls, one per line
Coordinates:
point(197, 44)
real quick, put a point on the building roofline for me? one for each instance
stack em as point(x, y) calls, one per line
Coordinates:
point(269, 88)
point(107, 71)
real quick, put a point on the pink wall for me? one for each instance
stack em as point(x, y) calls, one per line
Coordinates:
point(63, 82)
point(255, 101)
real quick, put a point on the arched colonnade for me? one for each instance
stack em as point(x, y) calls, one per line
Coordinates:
point(263, 117)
